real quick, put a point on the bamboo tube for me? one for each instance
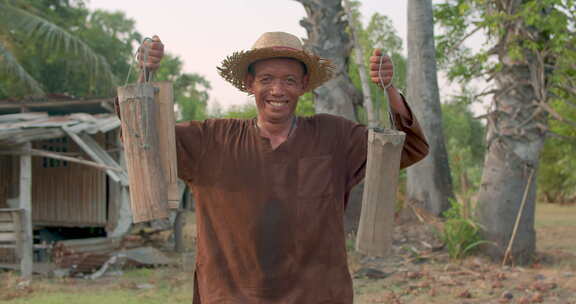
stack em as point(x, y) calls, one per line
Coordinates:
point(379, 199)
point(140, 129)
point(167, 140)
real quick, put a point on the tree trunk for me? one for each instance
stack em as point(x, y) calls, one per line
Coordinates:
point(516, 134)
point(429, 181)
point(360, 61)
point(327, 38)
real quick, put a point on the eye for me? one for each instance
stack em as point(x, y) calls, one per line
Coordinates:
point(265, 80)
point(290, 81)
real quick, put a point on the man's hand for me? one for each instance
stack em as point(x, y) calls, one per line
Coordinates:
point(155, 50)
point(386, 70)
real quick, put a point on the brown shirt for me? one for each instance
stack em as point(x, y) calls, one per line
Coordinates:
point(270, 222)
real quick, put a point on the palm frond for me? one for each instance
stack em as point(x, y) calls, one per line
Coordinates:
point(9, 64)
point(57, 38)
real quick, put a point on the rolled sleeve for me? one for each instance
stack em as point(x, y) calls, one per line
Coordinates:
point(189, 143)
point(415, 146)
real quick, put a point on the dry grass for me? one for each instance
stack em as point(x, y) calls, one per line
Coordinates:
point(552, 279)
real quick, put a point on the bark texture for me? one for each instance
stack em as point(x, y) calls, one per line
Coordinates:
point(516, 134)
point(360, 60)
point(429, 181)
point(326, 26)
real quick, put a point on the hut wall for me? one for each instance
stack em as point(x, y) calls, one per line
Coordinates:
point(65, 193)
point(113, 144)
point(9, 179)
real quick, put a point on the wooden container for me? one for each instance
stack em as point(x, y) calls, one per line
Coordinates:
point(149, 147)
point(379, 198)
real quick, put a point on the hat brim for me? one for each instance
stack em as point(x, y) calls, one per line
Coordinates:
point(235, 67)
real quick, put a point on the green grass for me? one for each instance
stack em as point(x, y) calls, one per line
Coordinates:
point(150, 296)
point(555, 215)
point(169, 286)
point(555, 225)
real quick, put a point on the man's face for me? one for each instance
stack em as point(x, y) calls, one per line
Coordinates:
point(277, 84)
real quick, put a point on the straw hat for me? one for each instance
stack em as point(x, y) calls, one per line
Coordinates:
point(275, 45)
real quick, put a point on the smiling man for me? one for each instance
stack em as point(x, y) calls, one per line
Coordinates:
point(272, 191)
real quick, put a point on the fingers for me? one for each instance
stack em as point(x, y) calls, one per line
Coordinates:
point(385, 66)
point(381, 68)
point(153, 50)
point(386, 80)
point(376, 59)
point(152, 55)
point(383, 73)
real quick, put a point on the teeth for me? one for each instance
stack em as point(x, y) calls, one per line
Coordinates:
point(277, 104)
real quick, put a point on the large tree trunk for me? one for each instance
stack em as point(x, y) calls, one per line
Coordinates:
point(327, 38)
point(429, 181)
point(516, 133)
point(360, 62)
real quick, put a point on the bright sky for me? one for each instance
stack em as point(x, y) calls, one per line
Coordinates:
point(203, 33)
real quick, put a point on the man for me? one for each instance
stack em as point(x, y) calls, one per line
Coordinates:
point(272, 191)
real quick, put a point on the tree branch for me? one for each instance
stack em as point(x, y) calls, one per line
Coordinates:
point(556, 115)
point(457, 44)
point(560, 136)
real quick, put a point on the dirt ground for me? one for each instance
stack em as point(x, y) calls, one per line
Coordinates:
point(417, 273)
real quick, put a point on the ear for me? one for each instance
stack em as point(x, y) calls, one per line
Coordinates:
point(249, 82)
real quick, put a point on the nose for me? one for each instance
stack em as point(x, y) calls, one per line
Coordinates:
point(277, 88)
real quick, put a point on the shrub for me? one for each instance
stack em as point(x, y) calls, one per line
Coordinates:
point(460, 234)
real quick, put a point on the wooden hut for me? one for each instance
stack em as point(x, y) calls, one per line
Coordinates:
point(60, 166)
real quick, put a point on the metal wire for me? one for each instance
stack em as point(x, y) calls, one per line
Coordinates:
point(135, 58)
point(385, 87)
point(143, 109)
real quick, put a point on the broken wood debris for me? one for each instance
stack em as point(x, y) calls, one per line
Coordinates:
point(85, 256)
point(19, 128)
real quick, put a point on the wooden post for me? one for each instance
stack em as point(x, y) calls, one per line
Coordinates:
point(25, 202)
point(179, 231)
point(379, 199)
point(148, 191)
point(167, 140)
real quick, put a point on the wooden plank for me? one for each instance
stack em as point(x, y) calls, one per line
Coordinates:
point(18, 230)
point(105, 157)
point(83, 117)
point(167, 140)
point(80, 202)
point(9, 118)
point(26, 261)
point(6, 227)
point(79, 127)
point(54, 155)
point(92, 244)
point(7, 236)
point(10, 210)
point(53, 103)
point(375, 230)
point(140, 131)
point(5, 216)
point(90, 150)
point(108, 124)
point(27, 135)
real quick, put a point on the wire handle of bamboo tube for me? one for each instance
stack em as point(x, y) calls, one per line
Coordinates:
point(385, 88)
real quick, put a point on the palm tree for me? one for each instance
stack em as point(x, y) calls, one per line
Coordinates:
point(20, 21)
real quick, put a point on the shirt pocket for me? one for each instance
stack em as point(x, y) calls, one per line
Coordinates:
point(315, 177)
